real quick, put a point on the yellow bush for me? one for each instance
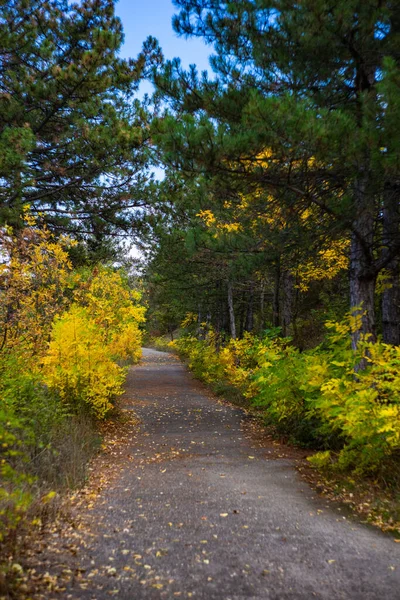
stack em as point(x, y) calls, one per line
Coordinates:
point(79, 366)
point(33, 279)
point(240, 358)
point(92, 320)
point(363, 406)
point(116, 310)
point(319, 397)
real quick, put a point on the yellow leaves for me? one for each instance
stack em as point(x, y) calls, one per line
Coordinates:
point(320, 459)
point(189, 319)
point(78, 365)
point(229, 227)
point(125, 344)
point(332, 386)
point(218, 227)
point(99, 329)
point(48, 497)
point(355, 321)
point(306, 214)
point(207, 216)
point(33, 279)
point(326, 265)
point(384, 281)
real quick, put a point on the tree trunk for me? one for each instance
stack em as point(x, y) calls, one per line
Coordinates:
point(242, 315)
point(391, 293)
point(231, 310)
point(250, 310)
point(200, 329)
point(218, 311)
point(261, 326)
point(287, 302)
point(275, 300)
point(362, 274)
point(224, 309)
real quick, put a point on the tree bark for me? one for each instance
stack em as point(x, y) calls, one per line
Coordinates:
point(242, 315)
point(361, 271)
point(249, 326)
point(275, 300)
point(261, 326)
point(232, 323)
point(200, 329)
point(391, 294)
point(287, 302)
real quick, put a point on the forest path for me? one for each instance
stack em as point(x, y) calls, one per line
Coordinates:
point(197, 510)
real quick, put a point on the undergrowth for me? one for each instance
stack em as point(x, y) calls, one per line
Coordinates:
point(64, 335)
point(318, 398)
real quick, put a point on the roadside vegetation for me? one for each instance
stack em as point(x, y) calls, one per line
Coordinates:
point(313, 397)
point(67, 335)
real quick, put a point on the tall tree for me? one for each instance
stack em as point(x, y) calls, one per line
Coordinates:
point(317, 84)
point(72, 140)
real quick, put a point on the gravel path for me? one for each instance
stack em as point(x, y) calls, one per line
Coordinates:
point(199, 511)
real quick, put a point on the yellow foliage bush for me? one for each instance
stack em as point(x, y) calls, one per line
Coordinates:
point(319, 397)
point(201, 356)
point(90, 338)
point(361, 405)
point(116, 310)
point(62, 335)
point(233, 363)
point(34, 275)
point(79, 366)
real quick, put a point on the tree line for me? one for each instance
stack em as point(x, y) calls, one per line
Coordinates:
point(280, 200)
point(281, 195)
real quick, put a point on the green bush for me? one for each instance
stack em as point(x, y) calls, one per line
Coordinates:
point(343, 402)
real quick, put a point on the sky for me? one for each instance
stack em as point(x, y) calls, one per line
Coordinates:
point(141, 18)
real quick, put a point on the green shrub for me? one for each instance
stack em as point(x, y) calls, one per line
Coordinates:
point(320, 397)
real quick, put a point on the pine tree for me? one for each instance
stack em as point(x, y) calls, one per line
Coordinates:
point(72, 140)
point(318, 86)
